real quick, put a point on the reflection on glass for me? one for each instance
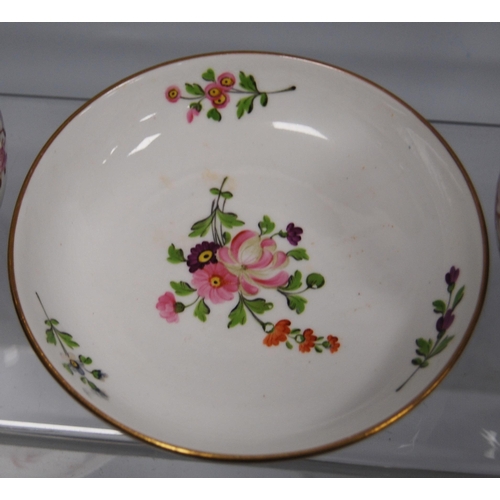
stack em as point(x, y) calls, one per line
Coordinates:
point(297, 127)
point(144, 144)
point(147, 117)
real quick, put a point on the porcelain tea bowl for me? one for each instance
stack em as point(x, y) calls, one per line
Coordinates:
point(248, 256)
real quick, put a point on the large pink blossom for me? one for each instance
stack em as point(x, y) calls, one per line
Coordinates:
point(215, 282)
point(166, 307)
point(255, 261)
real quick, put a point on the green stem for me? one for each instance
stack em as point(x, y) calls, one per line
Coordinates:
point(54, 331)
point(217, 237)
point(192, 303)
point(285, 293)
point(258, 92)
point(261, 323)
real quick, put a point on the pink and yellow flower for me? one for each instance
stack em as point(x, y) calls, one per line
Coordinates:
point(166, 306)
point(215, 282)
point(217, 95)
point(226, 80)
point(255, 261)
point(173, 93)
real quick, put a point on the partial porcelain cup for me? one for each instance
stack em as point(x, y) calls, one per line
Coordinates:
point(3, 158)
point(276, 258)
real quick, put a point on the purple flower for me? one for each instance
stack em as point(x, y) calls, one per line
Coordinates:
point(201, 255)
point(444, 322)
point(452, 277)
point(293, 234)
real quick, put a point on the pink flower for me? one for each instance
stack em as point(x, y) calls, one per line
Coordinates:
point(217, 95)
point(192, 112)
point(173, 93)
point(166, 306)
point(255, 261)
point(226, 80)
point(215, 282)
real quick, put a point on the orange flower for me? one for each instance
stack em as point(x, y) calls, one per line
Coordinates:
point(279, 334)
point(334, 343)
point(309, 341)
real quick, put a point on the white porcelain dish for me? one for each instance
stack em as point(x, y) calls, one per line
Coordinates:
point(248, 256)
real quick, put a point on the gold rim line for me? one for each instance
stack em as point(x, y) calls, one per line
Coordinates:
point(274, 456)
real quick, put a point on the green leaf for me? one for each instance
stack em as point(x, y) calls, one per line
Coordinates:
point(424, 364)
point(175, 255)
point(315, 281)
point(451, 288)
point(290, 346)
point(51, 338)
point(318, 349)
point(50, 322)
point(182, 288)
point(201, 310)
point(228, 219)
point(244, 105)
point(258, 306)
point(226, 237)
point(97, 374)
point(266, 225)
point(326, 344)
point(423, 347)
point(196, 105)
point(84, 360)
point(442, 345)
point(237, 316)
point(263, 100)
point(294, 282)
point(93, 386)
point(439, 306)
point(68, 340)
point(68, 368)
point(214, 114)
point(209, 75)
point(248, 82)
point(84, 380)
point(296, 303)
point(201, 227)
point(194, 89)
point(298, 254)
point(215, 191)
point(227, 195)
point(458, 297)
point(416, 361)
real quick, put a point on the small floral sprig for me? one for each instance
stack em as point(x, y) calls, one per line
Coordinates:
point(239, 267)
point(427, 349)
point(75, 364)
point(218, 92)
point(306, 339)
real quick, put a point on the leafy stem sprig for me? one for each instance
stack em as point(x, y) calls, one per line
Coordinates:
point(428, 348)
point(291, 290)
point(226, 219)
point(78, 364)
point(217, 91)
point(238, 316)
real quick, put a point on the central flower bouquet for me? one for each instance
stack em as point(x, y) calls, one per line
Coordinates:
point(229, 268)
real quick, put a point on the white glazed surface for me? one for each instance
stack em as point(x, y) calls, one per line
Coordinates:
point(385, 210)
